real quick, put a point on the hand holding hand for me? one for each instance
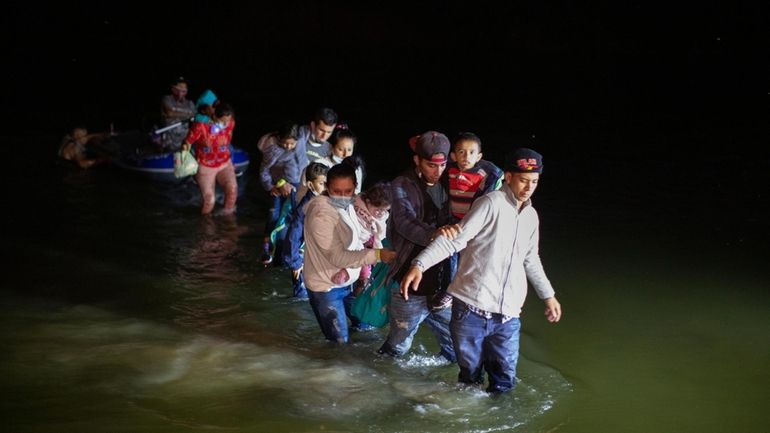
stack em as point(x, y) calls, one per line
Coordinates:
point(449, 231)
point(286, 189)
point(387, 255)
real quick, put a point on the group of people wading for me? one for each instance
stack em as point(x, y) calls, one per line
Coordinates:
point(455, 236)
point(462, 238)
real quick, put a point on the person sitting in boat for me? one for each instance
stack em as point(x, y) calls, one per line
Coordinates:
point(205, 106)
point(212, 151)
point(78, 147)
point(279, 176)
point(176, 109)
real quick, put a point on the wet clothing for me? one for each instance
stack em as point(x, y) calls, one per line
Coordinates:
point(325, 254)
point(278, 164)
point(207, 178)
point(405, 317)
point(332, 311)
point(212, 151)
point(295, 237)
point(488, 344)
point(467, 186)
point(275, 224)
point(416, 212)
point(291, 251)
point(499, 242)
point(212, 143)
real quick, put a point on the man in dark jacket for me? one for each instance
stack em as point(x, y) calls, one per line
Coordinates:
point(420, 207)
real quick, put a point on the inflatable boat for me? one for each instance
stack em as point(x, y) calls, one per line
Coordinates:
point(143, 160)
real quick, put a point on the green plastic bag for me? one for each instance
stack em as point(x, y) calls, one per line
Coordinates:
point(371, 306)
point(184, 164)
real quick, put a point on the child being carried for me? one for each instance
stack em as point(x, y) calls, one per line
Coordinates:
point(367, 219)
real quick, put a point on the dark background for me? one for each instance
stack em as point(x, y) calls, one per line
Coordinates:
point(587, 71)
point(660, 110)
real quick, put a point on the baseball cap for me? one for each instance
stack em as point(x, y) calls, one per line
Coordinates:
point(433, 146)
point(523, 160)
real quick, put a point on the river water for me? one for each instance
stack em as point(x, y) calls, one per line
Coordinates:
point(122, 309)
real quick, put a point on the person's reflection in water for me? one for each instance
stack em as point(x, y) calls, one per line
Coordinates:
point(210, 274)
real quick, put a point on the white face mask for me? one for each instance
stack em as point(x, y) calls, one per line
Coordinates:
point(340, 202)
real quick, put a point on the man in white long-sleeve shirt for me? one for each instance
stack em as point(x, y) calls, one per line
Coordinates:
point(500, 238)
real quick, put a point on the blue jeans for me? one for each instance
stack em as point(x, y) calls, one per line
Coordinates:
point(405, 317)
point(332, 310)
point(298, 286)
point(485, 344)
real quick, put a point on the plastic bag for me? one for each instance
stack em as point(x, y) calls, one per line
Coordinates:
point(184, 164)
point(371, 306)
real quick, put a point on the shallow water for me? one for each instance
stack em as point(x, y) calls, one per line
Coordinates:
point(122, 309)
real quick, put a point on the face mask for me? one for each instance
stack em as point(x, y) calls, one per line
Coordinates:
point(340, 202)
point(336, 159)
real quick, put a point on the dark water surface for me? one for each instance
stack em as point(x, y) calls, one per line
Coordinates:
point(121, 309)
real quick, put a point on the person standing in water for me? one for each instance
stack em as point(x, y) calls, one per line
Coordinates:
point(343, 142)
point(75, 147)
point(499, 242)
point(326, 253)
point(312, 143)
point(291, 252)
point(279, 176)
point(420, 207)
point(212, 151)
point(469, 177)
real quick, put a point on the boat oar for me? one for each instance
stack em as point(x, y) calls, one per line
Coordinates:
point(170, 127)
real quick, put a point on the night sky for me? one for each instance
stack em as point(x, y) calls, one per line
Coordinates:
point(442, 61)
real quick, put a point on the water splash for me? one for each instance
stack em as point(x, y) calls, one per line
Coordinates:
point(141, 369)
